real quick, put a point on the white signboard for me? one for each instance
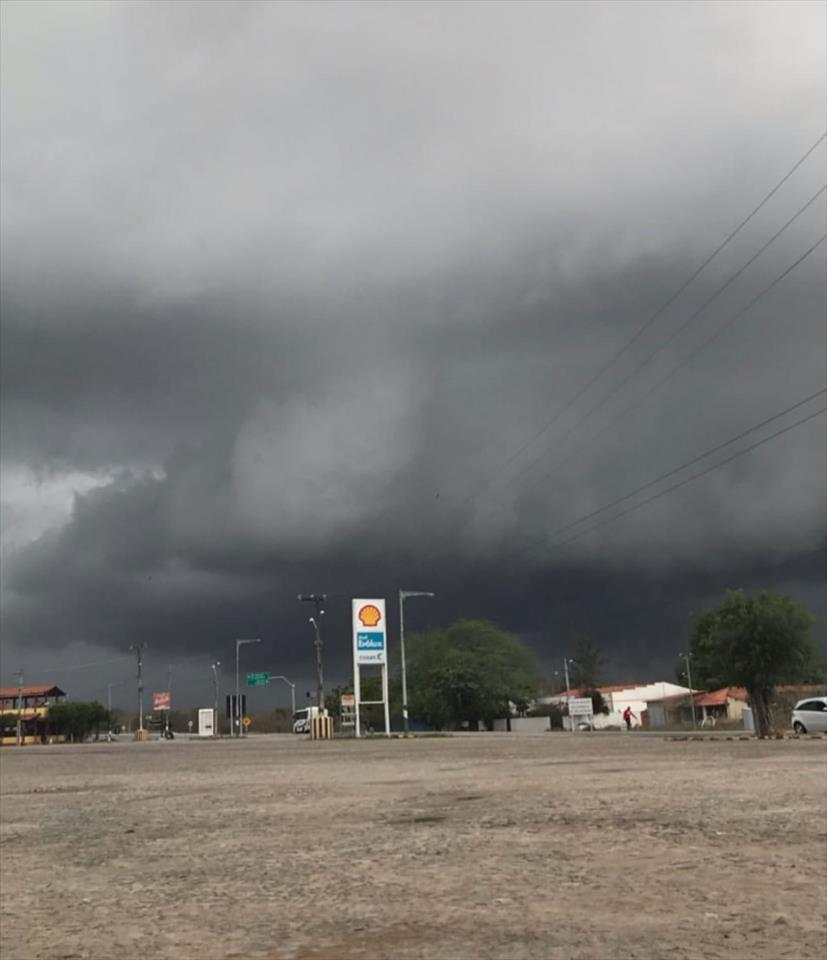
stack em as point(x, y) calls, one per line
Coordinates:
point(370, 642)
point(206, 721)
point(580, 707)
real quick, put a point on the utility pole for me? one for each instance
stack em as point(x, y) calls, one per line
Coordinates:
point(319, 673)
point(238, 645)
point(317, 599)
point(215, 667)
point(686, 657)
point(139, 656)
point(20, 707)
point(169, 691)
point(403, 595)
point(566, 663)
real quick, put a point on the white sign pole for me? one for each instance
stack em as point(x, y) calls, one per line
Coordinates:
point(357, 691)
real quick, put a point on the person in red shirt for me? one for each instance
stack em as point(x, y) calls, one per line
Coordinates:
point(628, 716)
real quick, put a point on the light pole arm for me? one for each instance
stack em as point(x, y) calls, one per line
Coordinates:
point(292, 690)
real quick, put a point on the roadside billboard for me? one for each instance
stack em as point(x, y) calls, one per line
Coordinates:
point(161, 701)
point(370, 645)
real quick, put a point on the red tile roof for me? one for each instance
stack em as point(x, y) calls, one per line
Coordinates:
point(39, 690)
point(719, 698)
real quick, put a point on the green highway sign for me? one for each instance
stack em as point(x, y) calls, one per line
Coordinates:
point(258, 679)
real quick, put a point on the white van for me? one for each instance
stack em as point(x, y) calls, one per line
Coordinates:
point(301, 720)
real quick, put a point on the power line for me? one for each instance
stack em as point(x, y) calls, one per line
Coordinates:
point(691, 478)
point(683, 363)
point(652, 319)
point(676, 470)
point(675, 333)
point(84, 666)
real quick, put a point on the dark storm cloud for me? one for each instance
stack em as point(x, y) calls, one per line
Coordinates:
point(289, 285)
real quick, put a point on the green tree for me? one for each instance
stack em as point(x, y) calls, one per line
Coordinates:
point(754, 641)
point(78, 720)
point(470, 671)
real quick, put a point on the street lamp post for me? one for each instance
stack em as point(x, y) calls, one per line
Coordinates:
point(139, 655)
point(403, 595)
point(317, 599)
point(686, 658)
point(566, 662)
point(170, 667)
point(214, 668)
point(319, 673)
point(292, 692)
point(19, 737)
point(238, 645)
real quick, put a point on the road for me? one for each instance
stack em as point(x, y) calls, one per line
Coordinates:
point(485, 846)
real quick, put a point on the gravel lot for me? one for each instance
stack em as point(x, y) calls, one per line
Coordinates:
point(493, 846)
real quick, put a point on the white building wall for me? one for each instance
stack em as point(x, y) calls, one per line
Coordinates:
point(637, 697)
point(524, 725)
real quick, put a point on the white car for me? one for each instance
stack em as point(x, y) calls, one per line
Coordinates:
point(810, 716)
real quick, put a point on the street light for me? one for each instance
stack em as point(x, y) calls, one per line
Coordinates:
point(403, 596)
point(317, 599)
point(292, 691)
point(686, 657)
point(170, 667)
point(19, 740)
point(566, 662)
point(319, 676)
point(238, 645)
point(214, 668)
point(139, 654)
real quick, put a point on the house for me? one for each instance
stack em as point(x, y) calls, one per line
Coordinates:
point(622, 695)
point(728, 703)
point(30, 706)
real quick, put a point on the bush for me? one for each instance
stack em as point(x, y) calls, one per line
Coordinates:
point(78, 720)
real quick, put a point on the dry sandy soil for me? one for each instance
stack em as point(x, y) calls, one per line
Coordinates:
point(492, 846)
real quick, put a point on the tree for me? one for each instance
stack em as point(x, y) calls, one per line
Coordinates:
point(589, 662)
point(757, 642)
point(469, 672)
point(78, 720)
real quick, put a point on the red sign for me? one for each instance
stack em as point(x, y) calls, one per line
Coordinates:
point(161, 701)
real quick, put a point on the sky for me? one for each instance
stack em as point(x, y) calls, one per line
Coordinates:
point(355, 297)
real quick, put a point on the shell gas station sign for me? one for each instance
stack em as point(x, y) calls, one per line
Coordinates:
point(369, 634)
point(370, 649)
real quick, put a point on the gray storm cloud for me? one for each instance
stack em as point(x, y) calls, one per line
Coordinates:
point(288, 289)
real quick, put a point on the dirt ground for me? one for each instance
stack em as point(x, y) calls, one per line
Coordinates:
point(589, 846)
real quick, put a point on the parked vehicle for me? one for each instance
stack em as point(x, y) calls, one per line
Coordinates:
point(301, 720)
point(810, 715)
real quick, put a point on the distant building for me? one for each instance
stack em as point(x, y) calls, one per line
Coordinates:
point(728, 703)
point(621, 695)
point(31, 706)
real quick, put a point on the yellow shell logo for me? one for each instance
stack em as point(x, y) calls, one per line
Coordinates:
point(369, 615)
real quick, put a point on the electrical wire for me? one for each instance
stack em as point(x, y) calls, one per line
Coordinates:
point(652, 319)
point(675, 333)
point(678, 469)
point(680, 366)
point(687, 480)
